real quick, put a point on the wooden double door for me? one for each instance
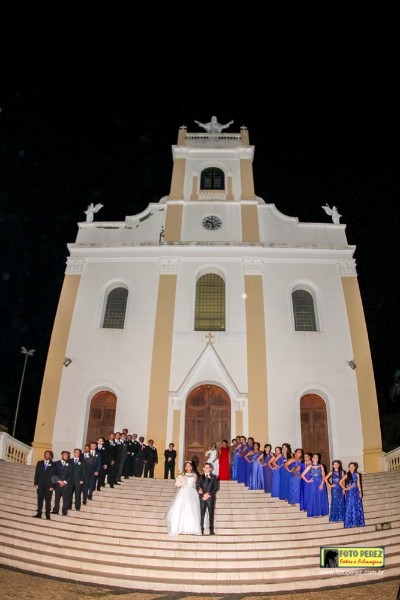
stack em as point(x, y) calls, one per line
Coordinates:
point(101, 416)
point(314, 427)
point(208, 419)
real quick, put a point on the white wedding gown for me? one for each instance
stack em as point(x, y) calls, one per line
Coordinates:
point(183, 514)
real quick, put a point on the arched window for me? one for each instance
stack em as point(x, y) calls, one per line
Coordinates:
point(114, 315)
point(303, 311)
point(212, 179)
point(210, 303)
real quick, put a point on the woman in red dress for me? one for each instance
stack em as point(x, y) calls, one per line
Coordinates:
point(224, 464)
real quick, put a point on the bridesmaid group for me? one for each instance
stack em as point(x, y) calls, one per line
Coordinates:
point(296, 477)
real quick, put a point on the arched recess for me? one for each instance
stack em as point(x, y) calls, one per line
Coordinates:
point(314, 427)
point(208, 419)
point(101, 416)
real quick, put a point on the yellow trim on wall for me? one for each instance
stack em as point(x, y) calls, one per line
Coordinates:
point(54, 367)
point(250, 229)
point(178, 175)
point(256, 358)
point(247, 179)
point(161, 367)
point(173, 223)
point(370, 422)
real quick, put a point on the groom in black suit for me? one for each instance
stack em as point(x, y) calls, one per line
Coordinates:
point(207, 486)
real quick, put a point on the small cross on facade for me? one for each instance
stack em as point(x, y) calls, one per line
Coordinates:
point(209, 337)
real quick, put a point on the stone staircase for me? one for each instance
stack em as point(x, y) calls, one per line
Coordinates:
point(119, 538)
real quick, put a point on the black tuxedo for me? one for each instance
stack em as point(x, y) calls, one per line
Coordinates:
point(44, 485)
point(151, 459)
point(103, 467)
point(128, 469)
point(111, 459)
point(92, 470)
point(63, 486)
point(209, 485)
point(169, 466)
point(78, 474)
point(139, 458)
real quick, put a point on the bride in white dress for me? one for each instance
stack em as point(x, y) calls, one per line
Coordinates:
point(183, 514)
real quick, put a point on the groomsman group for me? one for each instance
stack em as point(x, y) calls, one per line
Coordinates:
point(75, 479)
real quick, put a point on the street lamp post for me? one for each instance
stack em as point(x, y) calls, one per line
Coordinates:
point(27, 354)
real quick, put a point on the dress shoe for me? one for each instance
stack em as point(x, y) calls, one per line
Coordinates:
point(202, 532)
point(54, 512)
point(48, 517)
point(212, 533)
point(84, 501)
point(111, 486)
point(37, 516)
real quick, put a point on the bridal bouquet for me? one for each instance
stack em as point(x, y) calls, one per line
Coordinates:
point(181, 481)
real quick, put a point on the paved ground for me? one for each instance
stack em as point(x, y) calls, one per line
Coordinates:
point(16, 584)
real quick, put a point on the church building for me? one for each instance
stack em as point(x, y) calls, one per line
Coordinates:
point(209, 315)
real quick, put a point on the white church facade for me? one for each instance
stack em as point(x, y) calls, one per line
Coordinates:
point(209, 315)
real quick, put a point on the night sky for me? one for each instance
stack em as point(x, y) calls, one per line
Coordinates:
point(321, 104)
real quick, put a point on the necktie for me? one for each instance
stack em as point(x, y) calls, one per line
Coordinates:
point(46, 464)
point(92, 453)
point(76, 460)
point(63, 463)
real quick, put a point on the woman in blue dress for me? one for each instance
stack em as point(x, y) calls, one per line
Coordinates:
point(304, 488)
point(285, 475)
point(264, 459)
point(275, 465)
point(256, 471)
point(240, 462)
point(332, 480)
point(293, 466)
point(247, 464)
point(318, 497)
point(351, 483)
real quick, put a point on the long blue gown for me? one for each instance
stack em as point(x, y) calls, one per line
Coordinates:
point(304, 488)
point(337, 508)
point(318, 499)
point(267, 473)
point(247, 466)
point(354, 512)
point(284, 482)
point(241, 465)
point(256, 473)
point(235, 462)
point(294, 483)
point(276, 477)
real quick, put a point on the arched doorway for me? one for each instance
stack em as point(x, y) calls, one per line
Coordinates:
point(314, 427)
point(101, 416)
point(208, 419)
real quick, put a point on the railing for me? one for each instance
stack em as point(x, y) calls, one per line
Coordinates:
point(13, 450)
point(391, 460)
point(212, 195)
point(213, 140)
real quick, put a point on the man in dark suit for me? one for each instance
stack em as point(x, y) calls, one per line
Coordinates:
point(63, 476)
point(92, 460)
point(207, 486)
point(169, 465)
point(101, 450)
point(139, 457)
point(111, 458)
point(77, 478)
point(150, 456)
point(44, 472)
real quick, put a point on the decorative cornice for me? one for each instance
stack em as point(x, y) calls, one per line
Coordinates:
point(169, 266)
point(246, 152)
point(176, 402)
point(74, 266)
point(347, 269)
point(239, 403)
point(252, 266)
point(180, 151)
